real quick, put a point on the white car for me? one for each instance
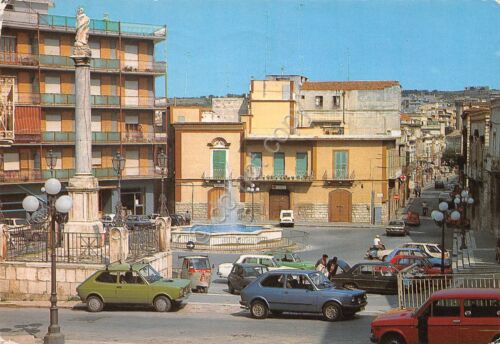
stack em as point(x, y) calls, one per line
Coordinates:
point(269, 261)
point(286, 218)
point(431, 249)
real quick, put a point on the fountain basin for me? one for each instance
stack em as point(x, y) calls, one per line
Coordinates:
point(226, 234)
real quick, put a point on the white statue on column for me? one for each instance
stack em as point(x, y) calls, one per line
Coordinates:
point(82, 33)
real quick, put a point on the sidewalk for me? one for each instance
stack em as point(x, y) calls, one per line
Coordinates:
point(479, 256)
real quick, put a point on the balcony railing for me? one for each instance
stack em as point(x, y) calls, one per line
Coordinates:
point(57, 99)
point(58, 136)
point(299, 177)
point(339, 174)
point(25, 98)
point(56, 61)
point(19, 176)
point(112, 101)
point(9, 58)
point(105, 64)
point(104, 26)
point(103, 136)
point(143, 66)
point(215, 174)
point(141, 102)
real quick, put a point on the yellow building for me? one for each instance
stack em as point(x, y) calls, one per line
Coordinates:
point(312, 167)
point(35, 49)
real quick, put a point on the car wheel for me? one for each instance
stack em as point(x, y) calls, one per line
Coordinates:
point(94, 304)
point(393, 338)
point(332, 311)
point(230, 287)
point(350, 286)
point(259, 309)
point(162, 304)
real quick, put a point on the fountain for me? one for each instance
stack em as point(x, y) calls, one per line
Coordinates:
point(225, 229)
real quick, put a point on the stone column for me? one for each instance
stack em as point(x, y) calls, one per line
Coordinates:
point(118, 244)
point(164, 233)
point(4, 241)
point(83, 187)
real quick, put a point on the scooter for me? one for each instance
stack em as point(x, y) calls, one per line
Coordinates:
point(372, 252)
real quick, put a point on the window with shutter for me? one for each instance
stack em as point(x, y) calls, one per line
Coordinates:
point(219, 164)
point(11, 162)
point(52, 46)
point(256, 162)
point(52, 122)
point(301, 165)
point(340, 168)
point(279, 164)
point(96, 122)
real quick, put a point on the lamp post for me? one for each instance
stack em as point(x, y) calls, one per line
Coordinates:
point(118, 165)
point(60, 205)
point(439, 216)
point(463, 199)
point(252, 189)
point(161, 160)
point(51, 160)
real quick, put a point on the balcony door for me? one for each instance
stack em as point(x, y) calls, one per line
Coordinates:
point(131, 57)
point(132, 162)
point(131, 92)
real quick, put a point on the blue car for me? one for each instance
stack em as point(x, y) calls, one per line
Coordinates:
point(300, 291)
point(416, 252)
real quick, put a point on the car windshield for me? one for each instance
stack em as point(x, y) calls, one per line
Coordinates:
point(396, 223)
point(320, 280)
point(286, 214)
point(21, 222)
point(150, 274)
point(200, 263)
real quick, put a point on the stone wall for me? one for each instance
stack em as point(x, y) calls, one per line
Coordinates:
point(198, 211)
point(314, 212)
point(31, 281)
point(361, 213)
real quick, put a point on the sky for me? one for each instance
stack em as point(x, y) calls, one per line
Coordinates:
point(217, 47)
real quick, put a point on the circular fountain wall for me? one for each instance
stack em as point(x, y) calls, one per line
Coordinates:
point(226, 235)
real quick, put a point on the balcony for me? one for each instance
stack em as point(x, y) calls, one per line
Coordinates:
point(134, 66)
point(104, 101)
point(26, 60)
point(58, 136)
point(105, 136)
point(105, 64)
point(106, 27)
point(20, 176)
point(215, 175)
point(339, 176)
point(56, 61)
point(24, 98)
point(137, 102)
point(57, 99)
point(303, 177)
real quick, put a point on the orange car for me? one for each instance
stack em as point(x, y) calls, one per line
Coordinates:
point(412, 219)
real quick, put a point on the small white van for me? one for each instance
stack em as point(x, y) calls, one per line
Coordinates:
point(286, 218)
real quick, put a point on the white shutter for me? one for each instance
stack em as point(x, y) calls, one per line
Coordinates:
point(132, 162)
point(131, 56)
point(11, 162)
point(95, 47)
point(52, 46)
point(131, 92)
point(95, 87)
point(96, 122)
point(52, 84)
point(52, 122)
point(96, 158)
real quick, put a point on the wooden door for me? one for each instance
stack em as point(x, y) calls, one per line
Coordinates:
point(278, 200)
point(214, 196)
point(339, 206)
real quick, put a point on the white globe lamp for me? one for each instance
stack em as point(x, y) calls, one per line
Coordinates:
point(443, 206)
point(52, 186)
point(455, 215)
point(30, 203)
point(64, 204)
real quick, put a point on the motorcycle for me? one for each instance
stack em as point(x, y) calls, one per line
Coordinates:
point(372, 252)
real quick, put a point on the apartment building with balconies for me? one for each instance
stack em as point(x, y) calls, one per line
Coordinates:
point(35, 50)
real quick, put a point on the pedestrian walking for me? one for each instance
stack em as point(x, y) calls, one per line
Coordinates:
point(188, 218)
point(424, 208)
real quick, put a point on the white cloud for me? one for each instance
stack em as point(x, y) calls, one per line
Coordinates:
point(497, 1)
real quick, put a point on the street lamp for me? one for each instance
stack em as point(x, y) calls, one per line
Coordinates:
point(439, 216)
point(61, 205)
point(118, 165)
point(253, 189)
point(51, 160)
point(161, 160)
point(463, 199)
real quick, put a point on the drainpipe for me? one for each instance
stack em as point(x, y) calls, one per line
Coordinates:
point(343, 107)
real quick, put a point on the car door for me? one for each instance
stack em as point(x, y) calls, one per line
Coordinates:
point(236, 277)
point(385, 279)
point(299, 294)
point(132, 288)
point(443, 324)
point(105, 285)
point(362, 276)
point(273, 287)
point(480, 320)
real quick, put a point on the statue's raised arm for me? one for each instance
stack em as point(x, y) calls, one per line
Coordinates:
point(82, 29)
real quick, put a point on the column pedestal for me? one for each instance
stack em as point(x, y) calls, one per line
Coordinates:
point(83, 216)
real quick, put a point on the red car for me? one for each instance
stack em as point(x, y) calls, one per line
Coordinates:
point(449, 316)
point(412, 219)
point(402, 261)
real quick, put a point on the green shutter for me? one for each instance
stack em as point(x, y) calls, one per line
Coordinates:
point(301, 164)
point(279, 164)
point(340, 168)
point(256, 161)
point(219, 164)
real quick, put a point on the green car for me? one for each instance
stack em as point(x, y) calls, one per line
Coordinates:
point(132, 284)
point(292, 260)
